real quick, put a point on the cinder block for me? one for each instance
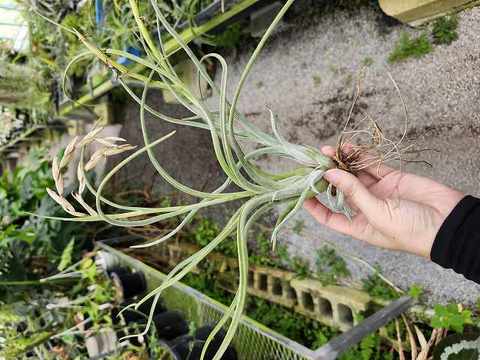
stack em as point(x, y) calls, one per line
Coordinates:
point(272, 284)
point(332, 305)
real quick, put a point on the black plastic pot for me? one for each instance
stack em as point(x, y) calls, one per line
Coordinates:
point(133, 329)
point(129, 284)
point(190, 348)
point(170, 325)
point(147, 305)
point(131, 315)
point(22, 326)
point(120, 270)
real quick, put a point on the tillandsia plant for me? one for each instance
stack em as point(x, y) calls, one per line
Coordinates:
point(260, 190)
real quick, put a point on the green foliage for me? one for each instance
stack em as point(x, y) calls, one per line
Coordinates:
point(407, 47)
point(415, 291)
point(29, 245)
point(378, 288)
point(451, 317)
point(21, 86)
point(317, 80)
point(40, 320)
point(300, 267)
point(290, 324)
point(444, 30)
point(261, 252)
point(298, 227)
point(206, 230)
point(22, 344)
point(367, 61)
point(330, 266)
point(66, 258)
point(207, 283)
point(370, 348)
point(230, 38)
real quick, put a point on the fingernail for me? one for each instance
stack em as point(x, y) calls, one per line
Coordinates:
point(332, 175)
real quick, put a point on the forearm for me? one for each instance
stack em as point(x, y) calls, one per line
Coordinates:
point(457, 244)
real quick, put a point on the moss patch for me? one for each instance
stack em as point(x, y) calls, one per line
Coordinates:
point(407, 47)
point(444, 30)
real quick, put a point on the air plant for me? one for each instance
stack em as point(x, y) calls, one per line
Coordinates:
point(260, 190)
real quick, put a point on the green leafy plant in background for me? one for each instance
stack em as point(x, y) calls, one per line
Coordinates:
point(230, 38)
point(370, 348)
point(48, 314)
point(367, 61)
point(415, 291)
point(444, 30)
point(21, 86)
point(298, 227)
point(451, 317)
point(295, 326)
point(205, 230)
point(330, 267)
point(29, 246)
point(378, 288)
point(408, 47)
point(300, 266)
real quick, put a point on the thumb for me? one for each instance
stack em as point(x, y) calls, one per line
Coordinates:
point(356, 192)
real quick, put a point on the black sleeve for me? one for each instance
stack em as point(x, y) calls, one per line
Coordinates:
point(457, 244)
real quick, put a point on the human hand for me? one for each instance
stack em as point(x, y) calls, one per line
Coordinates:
point(394, 210)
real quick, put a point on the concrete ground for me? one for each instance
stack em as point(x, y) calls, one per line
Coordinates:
point(306, 75)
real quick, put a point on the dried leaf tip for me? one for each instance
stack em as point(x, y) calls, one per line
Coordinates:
point(82, 181)
point(82, 202)
point(91, 136)
point(57, 175)
point(61, 201)
point(68, 153)
point(119, 149)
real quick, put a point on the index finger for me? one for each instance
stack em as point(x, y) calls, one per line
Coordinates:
point(325, 216)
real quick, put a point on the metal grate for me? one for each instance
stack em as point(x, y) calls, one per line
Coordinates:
point(252, 339)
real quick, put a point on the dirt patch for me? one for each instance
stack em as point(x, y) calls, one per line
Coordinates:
point(445, 130)
point(329, 116)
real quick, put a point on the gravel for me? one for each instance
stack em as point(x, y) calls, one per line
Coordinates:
point(306, 75)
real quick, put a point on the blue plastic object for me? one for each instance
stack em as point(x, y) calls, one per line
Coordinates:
point(131, 50)
point(99, 13)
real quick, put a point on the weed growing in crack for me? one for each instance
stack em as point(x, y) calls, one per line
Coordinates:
point(444, 30)
point(407, 47)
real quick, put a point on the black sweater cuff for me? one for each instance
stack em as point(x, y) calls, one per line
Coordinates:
point(457, 244)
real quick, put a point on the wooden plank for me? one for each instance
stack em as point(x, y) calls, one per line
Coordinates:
point(416, 12)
